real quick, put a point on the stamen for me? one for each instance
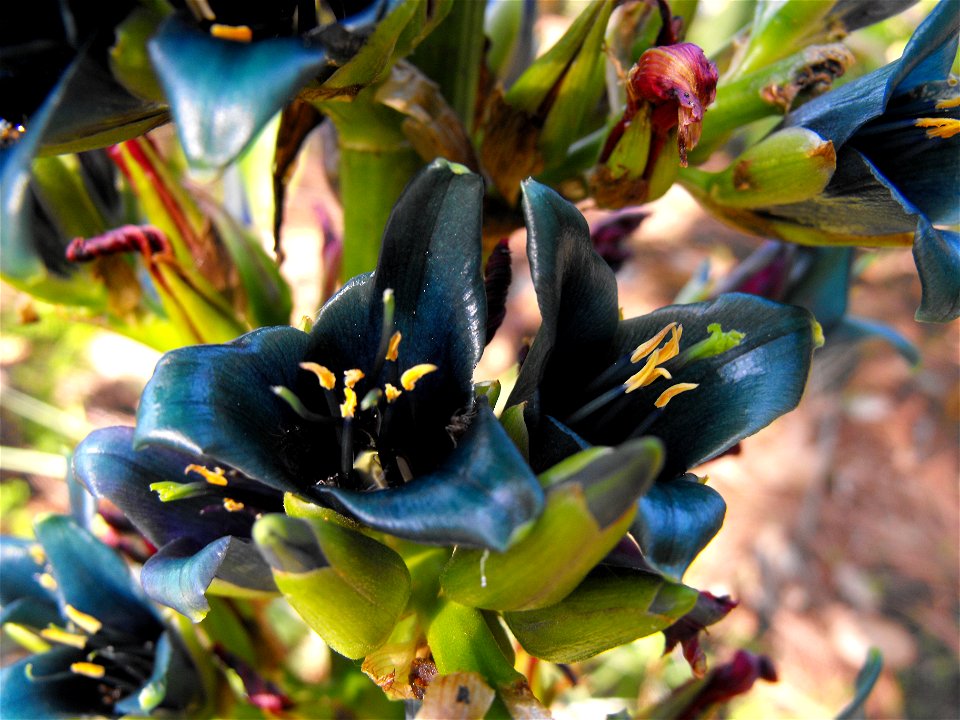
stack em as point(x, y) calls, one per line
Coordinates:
point(59, 635)
point(36, 552)
point(237, 33)
point(392, 393)
point(327, 379)
point(646, 374)
point(214, 477)
point(387, 333)
point(939, 127)
point(297, 405)
point(169, 490)
point(82, 620)
point(672, 348)
point(410, 377)
point(949, 103)
point(89, 669)
point(393, 349)
point(348, 407)
point(645, 348)
point(352, 377)
point(371, 399)
point(231, 505)
point(47, 581)
point(673, 391)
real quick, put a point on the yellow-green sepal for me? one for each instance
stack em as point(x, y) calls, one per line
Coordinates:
point(586, 514)
point(345, 585)
point(608, 609)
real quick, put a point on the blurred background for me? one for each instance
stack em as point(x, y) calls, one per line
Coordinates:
point(843, 524)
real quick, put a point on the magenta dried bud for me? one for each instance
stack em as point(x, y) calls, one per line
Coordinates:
point(679, 82)
point(610, 235)
point(496, 281)
point(709, 609)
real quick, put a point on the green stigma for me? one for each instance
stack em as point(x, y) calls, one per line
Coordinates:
point(716, 343)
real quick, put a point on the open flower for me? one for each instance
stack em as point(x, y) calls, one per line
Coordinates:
point(101, 649)
point(372, 412)
point(700, 377)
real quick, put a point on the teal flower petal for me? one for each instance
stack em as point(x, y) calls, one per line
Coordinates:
point(180, 573)
point(217, 401)
point(222, 92)
point(675, 521)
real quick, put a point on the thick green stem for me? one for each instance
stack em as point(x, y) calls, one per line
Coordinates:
point(451, 57)
point(376, 161)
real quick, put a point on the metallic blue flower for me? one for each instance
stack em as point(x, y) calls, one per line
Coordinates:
point(101, 648)
point(371, 412)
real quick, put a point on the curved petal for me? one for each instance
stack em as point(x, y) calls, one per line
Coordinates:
point(576, 292)
point(480, 497)
point(675, 521)
point(173, 682)
point(216, 400)
point(181, 573)
point(937, 254)
point(740, 391)
point(93, 578)
point(222, 92)
point(109, 467)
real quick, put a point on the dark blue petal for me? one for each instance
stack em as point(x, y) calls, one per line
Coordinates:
point(576, 292)
point(180, 574)
point(216, 401)
point(221, 92)
point(68, 695)
point(93, 578)
point(482, 494)
point(855, 330)
point(675, 521)
point(937, 254)
point(31, 612)
point(109, 466)
point(740, 391)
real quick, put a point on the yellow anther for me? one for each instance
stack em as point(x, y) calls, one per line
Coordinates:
point(47, 581)
point(237, 33)
point(327, 379)
point(89, 669)
point(645, 376)
point(59, 635)
point(231, 505)
point(349, 405)
point(394, 347)
point(410, 377)
point(88, 622)
point(672, 348)
point(391, 392)
point(36, 552)
point(645, 348)
point(948, 104)
point(352, 377)
point(939, 127)
point(672, 391)
point(214, 477)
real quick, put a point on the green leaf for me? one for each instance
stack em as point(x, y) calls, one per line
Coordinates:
point(609, 608)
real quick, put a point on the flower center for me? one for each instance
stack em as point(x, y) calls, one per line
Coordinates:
point(362, 422)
